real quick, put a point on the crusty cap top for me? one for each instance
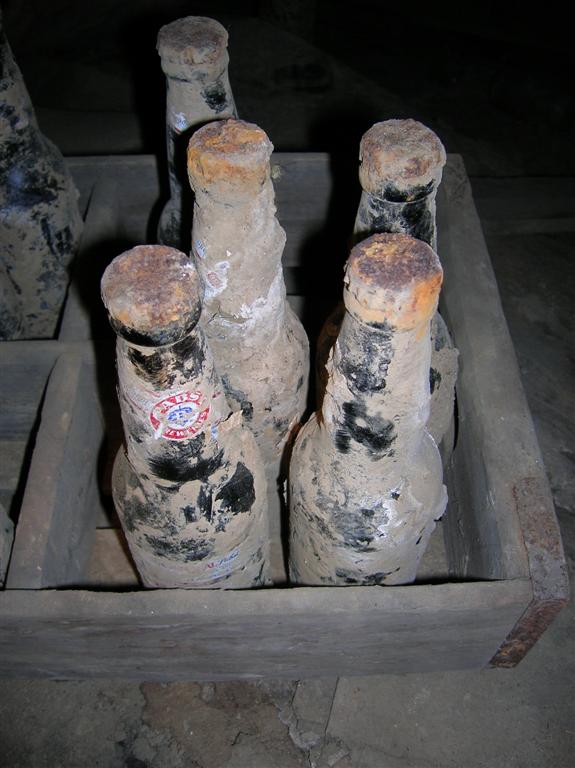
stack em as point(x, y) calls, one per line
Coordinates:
point(229, 159)
point(401, 160)
point(392, 279)
point(194, 41)
point(152, 294)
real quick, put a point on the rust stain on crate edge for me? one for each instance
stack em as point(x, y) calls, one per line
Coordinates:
point(547, 567)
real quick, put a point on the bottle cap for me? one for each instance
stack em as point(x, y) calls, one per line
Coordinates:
point(229, 159)
point(392, 281)
point(192, 42)
point(401, 160)
point(152, 294)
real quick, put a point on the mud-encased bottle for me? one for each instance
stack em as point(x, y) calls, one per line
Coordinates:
point(401, 165)
point(40, 223)
point(194, 58)
point(259, 345)
point(366, 477)
point(189, 486)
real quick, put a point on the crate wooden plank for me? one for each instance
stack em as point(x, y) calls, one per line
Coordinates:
point(498, 529)
point(53, 534)
point(168, 635)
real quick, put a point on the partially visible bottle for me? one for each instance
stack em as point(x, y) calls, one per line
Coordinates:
point(259, 345)
point(401, 164)
point(10, 307)
point(40, 224)
point(366, 477)
point(194, 57)
point(189, 486)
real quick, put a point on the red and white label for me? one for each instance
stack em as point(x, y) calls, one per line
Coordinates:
point(179, 416)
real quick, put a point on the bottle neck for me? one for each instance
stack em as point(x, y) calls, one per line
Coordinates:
point(171, 399)
point(376, 404)
point(192, 100)
point(415, 218)
point(231, 245)
point(18, 121)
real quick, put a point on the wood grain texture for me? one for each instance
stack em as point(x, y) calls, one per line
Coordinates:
point(496, 443)
point(56, 519)
point(168, 635)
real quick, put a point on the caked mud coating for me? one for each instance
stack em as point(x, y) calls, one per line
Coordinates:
point(189, 486)
point(365, 477)
point(401, 164)
point(259, 346)
point(194, 57)
point(40, 224)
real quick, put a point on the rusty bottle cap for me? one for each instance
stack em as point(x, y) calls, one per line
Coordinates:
point(392, 279)
point(401, 160)
point(152, 294)
point(192, 42)
point(229, 159)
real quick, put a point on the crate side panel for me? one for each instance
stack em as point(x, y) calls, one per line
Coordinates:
point(177, 635)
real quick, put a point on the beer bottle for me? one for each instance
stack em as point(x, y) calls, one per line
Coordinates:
point(365, 476)
point(401, 164)
point(189, 485)
point(40, 224)
point(194, 57)
point(259, 345)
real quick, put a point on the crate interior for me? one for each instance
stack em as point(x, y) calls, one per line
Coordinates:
point(25, 370)
point(478, 537)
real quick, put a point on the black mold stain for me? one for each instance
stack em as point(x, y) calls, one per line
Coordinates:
point(393, 194)
point(151, 368)
point(370, 580)
point(215, 96)
point(187, 550)
point(181, 470)
point(238, 494)
point(205, 503)
point(133, 512)
point(183, 463)
point(375, 433)
point(240, 398)
point(189, 514)
point(160, 368)
point(366, 371)
point(398, 216)
point(434, 379)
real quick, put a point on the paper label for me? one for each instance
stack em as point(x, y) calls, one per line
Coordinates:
point(179, 416)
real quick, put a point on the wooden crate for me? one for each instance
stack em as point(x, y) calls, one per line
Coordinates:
point(490, 583)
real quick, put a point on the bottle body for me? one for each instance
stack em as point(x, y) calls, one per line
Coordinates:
point(259, 345)
point(195, 62)
point(40, 224)
point(189, 486)
point(366, 477)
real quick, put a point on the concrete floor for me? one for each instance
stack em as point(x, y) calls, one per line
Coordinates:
point(307, 99)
